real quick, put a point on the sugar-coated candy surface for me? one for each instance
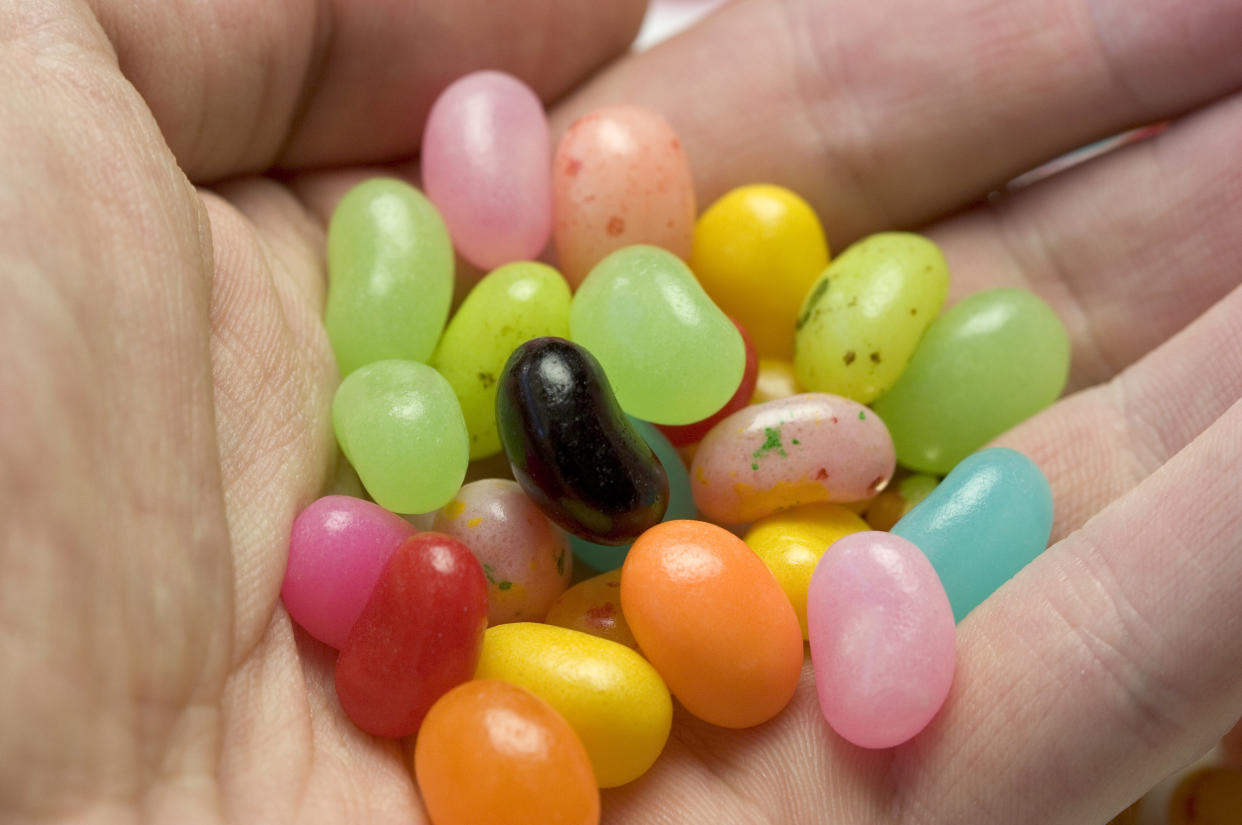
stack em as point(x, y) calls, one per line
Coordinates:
point(486, 165)
point(691, 433)
point(891, 505)
point(797, 450)
point(572, 449)
point(671, 356)
point(984, 522)
point(713, 621)
point(492, 753)
point(620, 177)
point(757, 250)
point(594, 606)
point(400, 425)
point(883, 644)
point(390, 275)
point(418, 636)
point(776, 379)
point(986, 364)
point(864, 316)
point(338, 547)
point(512, 304)
point(612, 697)
point(792, 542)
point(525, 559)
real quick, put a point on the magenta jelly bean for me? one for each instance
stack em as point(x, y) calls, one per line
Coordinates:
point(883, 644)
point(796, 450)
point(486, 164)
point(338, 547)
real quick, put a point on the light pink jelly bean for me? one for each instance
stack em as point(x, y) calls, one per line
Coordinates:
point(525, 558)
point(486, 158)
point(882, 639)
point(337, 550)
point(796, 450)
point(620, 177)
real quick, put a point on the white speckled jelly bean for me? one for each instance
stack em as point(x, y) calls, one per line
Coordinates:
point(796, 450)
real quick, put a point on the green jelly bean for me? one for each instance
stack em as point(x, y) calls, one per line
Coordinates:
point(390, 275)
point(862, 319)
point(985, 365)
point(399, 424)
point(670, 354)
point(512, 304)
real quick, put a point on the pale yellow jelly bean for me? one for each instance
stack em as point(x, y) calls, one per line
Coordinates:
point(777, 379)
point(611, 696)
point(797, 450)
point(791, 543)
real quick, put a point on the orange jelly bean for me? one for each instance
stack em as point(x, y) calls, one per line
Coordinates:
point(492, 753)
point(712, 619)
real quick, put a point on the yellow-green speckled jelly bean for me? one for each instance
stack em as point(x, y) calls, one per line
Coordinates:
point(400, 425)
point(863, 318)
point(611, 696)
point(670, 354)
point(985, 365)
point(390, 275)
point(512, 304)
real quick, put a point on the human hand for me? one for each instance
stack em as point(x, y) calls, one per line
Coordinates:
point(170, 398)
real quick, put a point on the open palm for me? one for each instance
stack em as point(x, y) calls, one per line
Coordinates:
point(167, 379)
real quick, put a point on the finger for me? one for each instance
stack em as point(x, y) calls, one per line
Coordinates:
point(893, 113)
point(238, 86)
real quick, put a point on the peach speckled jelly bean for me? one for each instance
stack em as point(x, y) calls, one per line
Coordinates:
point(797, 450)
point(594, 606)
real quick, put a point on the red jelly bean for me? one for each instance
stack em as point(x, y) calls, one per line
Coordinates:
point(418, 637)
point(681, 435)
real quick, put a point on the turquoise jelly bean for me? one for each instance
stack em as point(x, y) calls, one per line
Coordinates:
point(605, 557)
point(982, 524)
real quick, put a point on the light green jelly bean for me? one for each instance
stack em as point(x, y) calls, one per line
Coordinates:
point(863, 318)
point(512, 304)
point(390, 275)
point(985, 365)
point(399, 424)
point(670, 354)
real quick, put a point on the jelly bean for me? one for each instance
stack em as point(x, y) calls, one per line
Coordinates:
point(418, 636)
point(620, 177)
point(982, 524)
point(882, 639)
point(864, 317)
point(492, 752)
point(513, 304)
point(612, 698)
point(990, 362)
point(525, 559)
point(401, 427)
point(690, 433)
point(776, 379)
point(891, 505)
point(572, 449)
point(390, 275)
point(670, 355)
point(486, 165)
point(792, 542)
point(797, 450)
point(594, 606)
point(338, 547)
point(713, 621)
point(1209, 795)
point(680, 500)
point(757, 250)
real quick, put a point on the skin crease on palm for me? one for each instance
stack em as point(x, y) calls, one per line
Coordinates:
point(168, 378)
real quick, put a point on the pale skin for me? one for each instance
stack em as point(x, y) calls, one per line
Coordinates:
point(167, 378)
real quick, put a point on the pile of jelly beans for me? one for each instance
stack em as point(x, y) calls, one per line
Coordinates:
point(793, 385)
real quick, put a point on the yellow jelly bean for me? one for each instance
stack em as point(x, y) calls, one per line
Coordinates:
point(777, 379)
point(612, 698)
point(791, 542)
point(757, 250)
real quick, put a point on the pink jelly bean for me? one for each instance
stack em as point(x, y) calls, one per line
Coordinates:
point(796, 450)
point(882, 639)
point(620, 177)
point(338, 547)
point(486, 159)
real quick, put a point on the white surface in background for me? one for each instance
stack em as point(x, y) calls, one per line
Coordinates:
point(666, 18)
